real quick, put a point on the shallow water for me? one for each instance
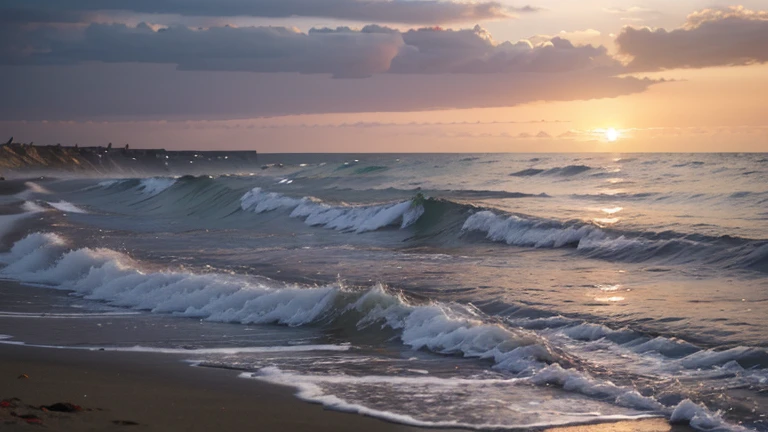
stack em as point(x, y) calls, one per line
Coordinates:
point(481, 291)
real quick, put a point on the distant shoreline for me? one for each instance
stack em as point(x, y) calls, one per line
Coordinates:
point(18, 158)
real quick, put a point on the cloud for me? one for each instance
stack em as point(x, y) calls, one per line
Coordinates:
point(475, 51)
point(711, 37)
point(579, 37)
point(115, 71)
point(632, 10)
point(340, 52)
point(392, 11)
point(109, 91)
point(346, 54)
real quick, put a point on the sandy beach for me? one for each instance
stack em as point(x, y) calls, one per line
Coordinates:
point(154, 392)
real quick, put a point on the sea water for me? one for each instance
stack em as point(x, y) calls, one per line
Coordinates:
point(478, 291)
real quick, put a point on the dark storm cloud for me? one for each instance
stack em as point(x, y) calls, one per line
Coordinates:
point(16, 15)
point(712, 37)
point(341, 52)
point(257, 49)
point(393, 11)
point(108, 71)
point(151, 91)
point(474, 51)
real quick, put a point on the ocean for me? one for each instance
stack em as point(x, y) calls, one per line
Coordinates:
point(480, 291)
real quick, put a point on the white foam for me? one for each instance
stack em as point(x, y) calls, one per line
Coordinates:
point(110, 276)
point(258, 201)
point(343, 218)
point(517, 231)
point(709, 358)
point(666, 346)
point(32, 188)
point(577, 381)
point(542, 323)
point(698, 417)
point(32, 207)
point(452, 330)
point(108, 183)
point(195, 351)
point(66, 207)
point(358, 218)
point(26, 247)
point(588, 332)
point(313, 388)
point(155, 185)
point(102, 274)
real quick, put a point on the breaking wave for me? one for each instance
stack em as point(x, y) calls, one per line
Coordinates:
point(343, 218)
point(595, 242)
point(430, 219)
point(150, 186)
point(65, 206)
point(441, 328)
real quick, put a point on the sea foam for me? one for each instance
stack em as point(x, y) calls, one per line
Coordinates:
point(406, 396)
point(343, 218)
point(451, 329)
point(518, 231)
point(67, 207)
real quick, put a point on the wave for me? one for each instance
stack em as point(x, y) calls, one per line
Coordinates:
point(149, 186)
point(595, 242)
point(687, 164)
point(370, 169)
point(566, 171)
point(66, 207)
point(445, 221)
point(343, 218)
point(379, 313)
point(515, 230)
point(527, 172)
point(8, 221)
point(458, 194)
point(107, 275)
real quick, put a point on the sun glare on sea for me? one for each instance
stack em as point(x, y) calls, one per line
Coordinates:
point(611, 134)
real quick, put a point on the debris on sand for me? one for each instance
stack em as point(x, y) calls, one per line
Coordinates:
point(62, 407)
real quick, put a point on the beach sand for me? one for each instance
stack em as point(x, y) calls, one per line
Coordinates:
point(154, 392)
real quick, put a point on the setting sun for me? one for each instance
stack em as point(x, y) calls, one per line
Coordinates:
point(611, 134)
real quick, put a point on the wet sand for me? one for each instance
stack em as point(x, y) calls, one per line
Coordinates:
point(155, 392)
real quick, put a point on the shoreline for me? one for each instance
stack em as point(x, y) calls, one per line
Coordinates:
point(151, 391)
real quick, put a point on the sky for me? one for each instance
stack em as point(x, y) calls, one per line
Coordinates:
point(387, 75)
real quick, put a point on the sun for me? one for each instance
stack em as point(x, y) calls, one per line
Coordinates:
point(611, 134)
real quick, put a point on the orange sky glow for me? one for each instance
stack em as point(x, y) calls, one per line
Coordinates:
point(700, 98)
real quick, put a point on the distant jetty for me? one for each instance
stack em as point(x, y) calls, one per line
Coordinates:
point(19, 158)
